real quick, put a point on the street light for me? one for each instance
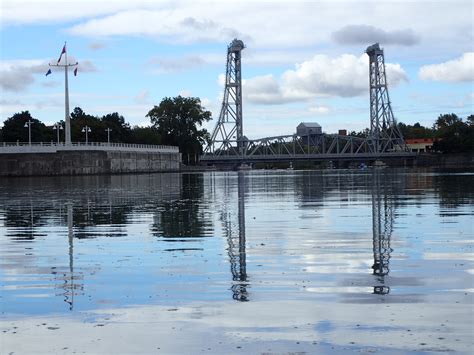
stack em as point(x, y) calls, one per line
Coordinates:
point(108, 130)
point(28, 124)
point(86, 130)
point(58, 127)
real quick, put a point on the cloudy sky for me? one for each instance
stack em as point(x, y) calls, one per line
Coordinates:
point(304, 60)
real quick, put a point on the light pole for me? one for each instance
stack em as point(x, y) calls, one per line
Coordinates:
point(86, 130)
point(58, 127)
point(108, 130)
point(28, 124)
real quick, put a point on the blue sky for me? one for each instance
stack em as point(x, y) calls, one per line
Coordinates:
point(304, 60)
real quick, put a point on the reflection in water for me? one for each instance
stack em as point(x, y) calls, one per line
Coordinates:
point(382, 227)
point(237, 252)
point(183, 217)
point(297, 214)
point(70, 287)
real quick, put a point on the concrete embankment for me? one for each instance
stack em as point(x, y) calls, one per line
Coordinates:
point(457, 160)
point(87, 163)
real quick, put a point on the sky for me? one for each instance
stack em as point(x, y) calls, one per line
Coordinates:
point(304, 61)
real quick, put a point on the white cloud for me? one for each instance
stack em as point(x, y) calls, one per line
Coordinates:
point(221, 80)
point(343, 76)
point(295, 27)
point(365, 34)
point(319, 110)
point(40, 11)
point(143, 97)
point(457, 70)
point(264, 90)
point(173, 25)
point(206, 103)
point(175, 64)
point(185, 93)
point(18, 75)
point(95, 46)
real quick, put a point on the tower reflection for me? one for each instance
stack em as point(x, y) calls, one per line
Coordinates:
point(236, 245)
point(382, 227)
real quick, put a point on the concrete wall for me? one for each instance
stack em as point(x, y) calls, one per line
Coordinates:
point(87, 163)
point(458, 160)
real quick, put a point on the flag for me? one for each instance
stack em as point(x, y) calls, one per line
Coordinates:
point(75, 72)
point(62, 52)
point(48, 72)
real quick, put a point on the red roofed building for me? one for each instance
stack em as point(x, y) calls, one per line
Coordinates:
point(420, 145)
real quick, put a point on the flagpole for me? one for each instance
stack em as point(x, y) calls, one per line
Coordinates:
point(66, 103)
point(67, 133)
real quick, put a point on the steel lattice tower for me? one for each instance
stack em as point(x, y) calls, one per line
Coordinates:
point(227, 137)
point(385, 135)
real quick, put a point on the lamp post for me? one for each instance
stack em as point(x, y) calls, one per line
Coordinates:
point(86, 130)
point(58, 127)
point(108, 130)
point(28, 124)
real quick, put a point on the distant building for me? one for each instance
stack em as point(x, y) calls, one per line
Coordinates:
point(305, 129)
point(420, 145)
point(342, 132)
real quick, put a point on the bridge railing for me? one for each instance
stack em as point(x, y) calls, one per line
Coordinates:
point(43, 147)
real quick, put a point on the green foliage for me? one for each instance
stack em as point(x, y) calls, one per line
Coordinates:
point(79, 120)
point(177, 120)
point(145, 135)
point(453, 135)
point(14, 129)
point(415, 131)
point(121, 131)
point(362, 134)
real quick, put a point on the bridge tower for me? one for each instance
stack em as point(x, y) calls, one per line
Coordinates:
point(385, 135)
point(228, 133)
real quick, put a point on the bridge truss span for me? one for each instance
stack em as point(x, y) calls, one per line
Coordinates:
point(228, 143)
point(297, 148)
point(309, 145)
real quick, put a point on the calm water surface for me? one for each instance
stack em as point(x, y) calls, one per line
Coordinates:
point(251, 262)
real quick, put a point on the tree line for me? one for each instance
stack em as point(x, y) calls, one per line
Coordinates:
point(177, 121)
point(450, 133)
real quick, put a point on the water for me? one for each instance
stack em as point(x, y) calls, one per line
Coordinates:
point(249, 262)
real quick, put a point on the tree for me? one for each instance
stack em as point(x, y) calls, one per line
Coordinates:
point(177, 120)
point(362, 134)
point(144, 135)
point(14, 129)
point(120, 129)
point(415, 131)
point(79, 119)
point(453, 135)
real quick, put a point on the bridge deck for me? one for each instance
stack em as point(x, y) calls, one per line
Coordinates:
point(303, 157)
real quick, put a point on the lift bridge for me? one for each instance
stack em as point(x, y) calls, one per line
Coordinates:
point(229, 145)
